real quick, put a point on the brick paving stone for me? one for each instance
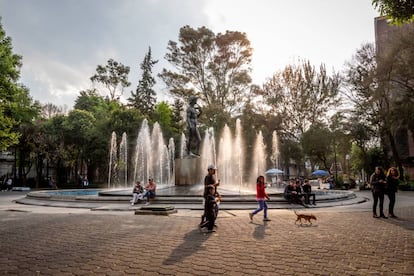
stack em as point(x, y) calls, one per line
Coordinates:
point(338, 243)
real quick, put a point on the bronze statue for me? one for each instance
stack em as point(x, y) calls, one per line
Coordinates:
point(194, 138)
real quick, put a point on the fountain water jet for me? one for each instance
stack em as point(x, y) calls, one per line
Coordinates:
point(258, 166)
point(118, 162)
point(123, 160)
point(231, 159)
point(152, 157)
point(113, 159)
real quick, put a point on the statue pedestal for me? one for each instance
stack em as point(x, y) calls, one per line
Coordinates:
point(187, 171)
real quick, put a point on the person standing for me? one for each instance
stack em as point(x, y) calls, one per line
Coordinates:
point(210, 179)
point(261, 197)
point(378, 183)
point(9, 184)
point(85, 181)
point(393, 179)
point(210, 210)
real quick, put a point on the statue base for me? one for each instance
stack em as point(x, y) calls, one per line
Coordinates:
point(187, 170)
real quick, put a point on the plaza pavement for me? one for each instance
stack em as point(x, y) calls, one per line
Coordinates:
point(345, 240)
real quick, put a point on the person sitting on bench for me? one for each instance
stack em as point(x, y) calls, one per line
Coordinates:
point(137, 193)
point(293, 192)
point(307, 192)
point(150, 190)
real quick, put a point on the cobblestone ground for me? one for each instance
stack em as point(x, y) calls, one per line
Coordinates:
point(338, 243)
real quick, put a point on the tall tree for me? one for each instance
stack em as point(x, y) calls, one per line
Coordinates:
point(381, 86)
point(16, 106)
point(398, 11)
point(49, 110)
point(144, 97)
point(317, 144)
point(301, 96)
point(114, 76)
point(214, 68)
point(177, 120)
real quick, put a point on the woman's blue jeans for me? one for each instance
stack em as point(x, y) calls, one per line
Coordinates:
point(262, 206)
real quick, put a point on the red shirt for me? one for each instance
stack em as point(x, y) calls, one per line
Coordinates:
point(260, 191)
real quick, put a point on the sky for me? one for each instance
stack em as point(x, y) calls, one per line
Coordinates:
point(62, 42)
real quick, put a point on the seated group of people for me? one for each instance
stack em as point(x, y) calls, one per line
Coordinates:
point(140, 193)
point(295, 193)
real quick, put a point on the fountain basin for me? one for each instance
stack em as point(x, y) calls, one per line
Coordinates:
point(174, 196)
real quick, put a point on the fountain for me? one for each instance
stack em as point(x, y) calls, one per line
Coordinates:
point(275, 159)
point(153, 158)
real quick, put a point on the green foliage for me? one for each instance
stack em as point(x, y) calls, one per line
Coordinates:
point(317, 144)
point(114, 76)
point(163, 114)
point(16, 106)
point(49, 110)
point(78, 126)
point(301, 96)
point(124, 119)
point(375, 158)
point(215, 68)
point(177, 120)
point(89, 100)
point(8, 137)
point(144, 97)
point(398, 11)
point(381, 87)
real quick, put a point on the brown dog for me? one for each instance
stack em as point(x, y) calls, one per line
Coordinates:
point(306, 217)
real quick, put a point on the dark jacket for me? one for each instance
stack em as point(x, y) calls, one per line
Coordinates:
point(392, 184)
point(210, 206)
point(209, 180)
point(376, 183)
point(307, 188)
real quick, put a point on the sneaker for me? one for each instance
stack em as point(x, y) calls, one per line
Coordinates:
point(251, 216)
point(383, 216)
point(211, 231)
point(266, 219)
point(132, 203)
point(147, 203)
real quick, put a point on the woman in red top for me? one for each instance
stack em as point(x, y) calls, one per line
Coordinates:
point(261, 198)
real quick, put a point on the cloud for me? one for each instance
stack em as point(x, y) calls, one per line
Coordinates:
point(63, 41)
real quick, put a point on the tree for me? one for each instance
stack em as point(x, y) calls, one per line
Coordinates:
point(144, 97)
point(114, 76)
point(78, 128)
point(316, 143)
point(398, 11)
point(381, 87)
point(162, 115)
point(177, 121)
point(364, 121)
point(49, 110)
point(301, 96)
point(16, 106)
point(53, 148)
point(214, 68)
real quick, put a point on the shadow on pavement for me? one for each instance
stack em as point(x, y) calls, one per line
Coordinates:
point(193, 242)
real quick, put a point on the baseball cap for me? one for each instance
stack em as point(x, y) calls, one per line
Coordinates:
point(211, 167)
